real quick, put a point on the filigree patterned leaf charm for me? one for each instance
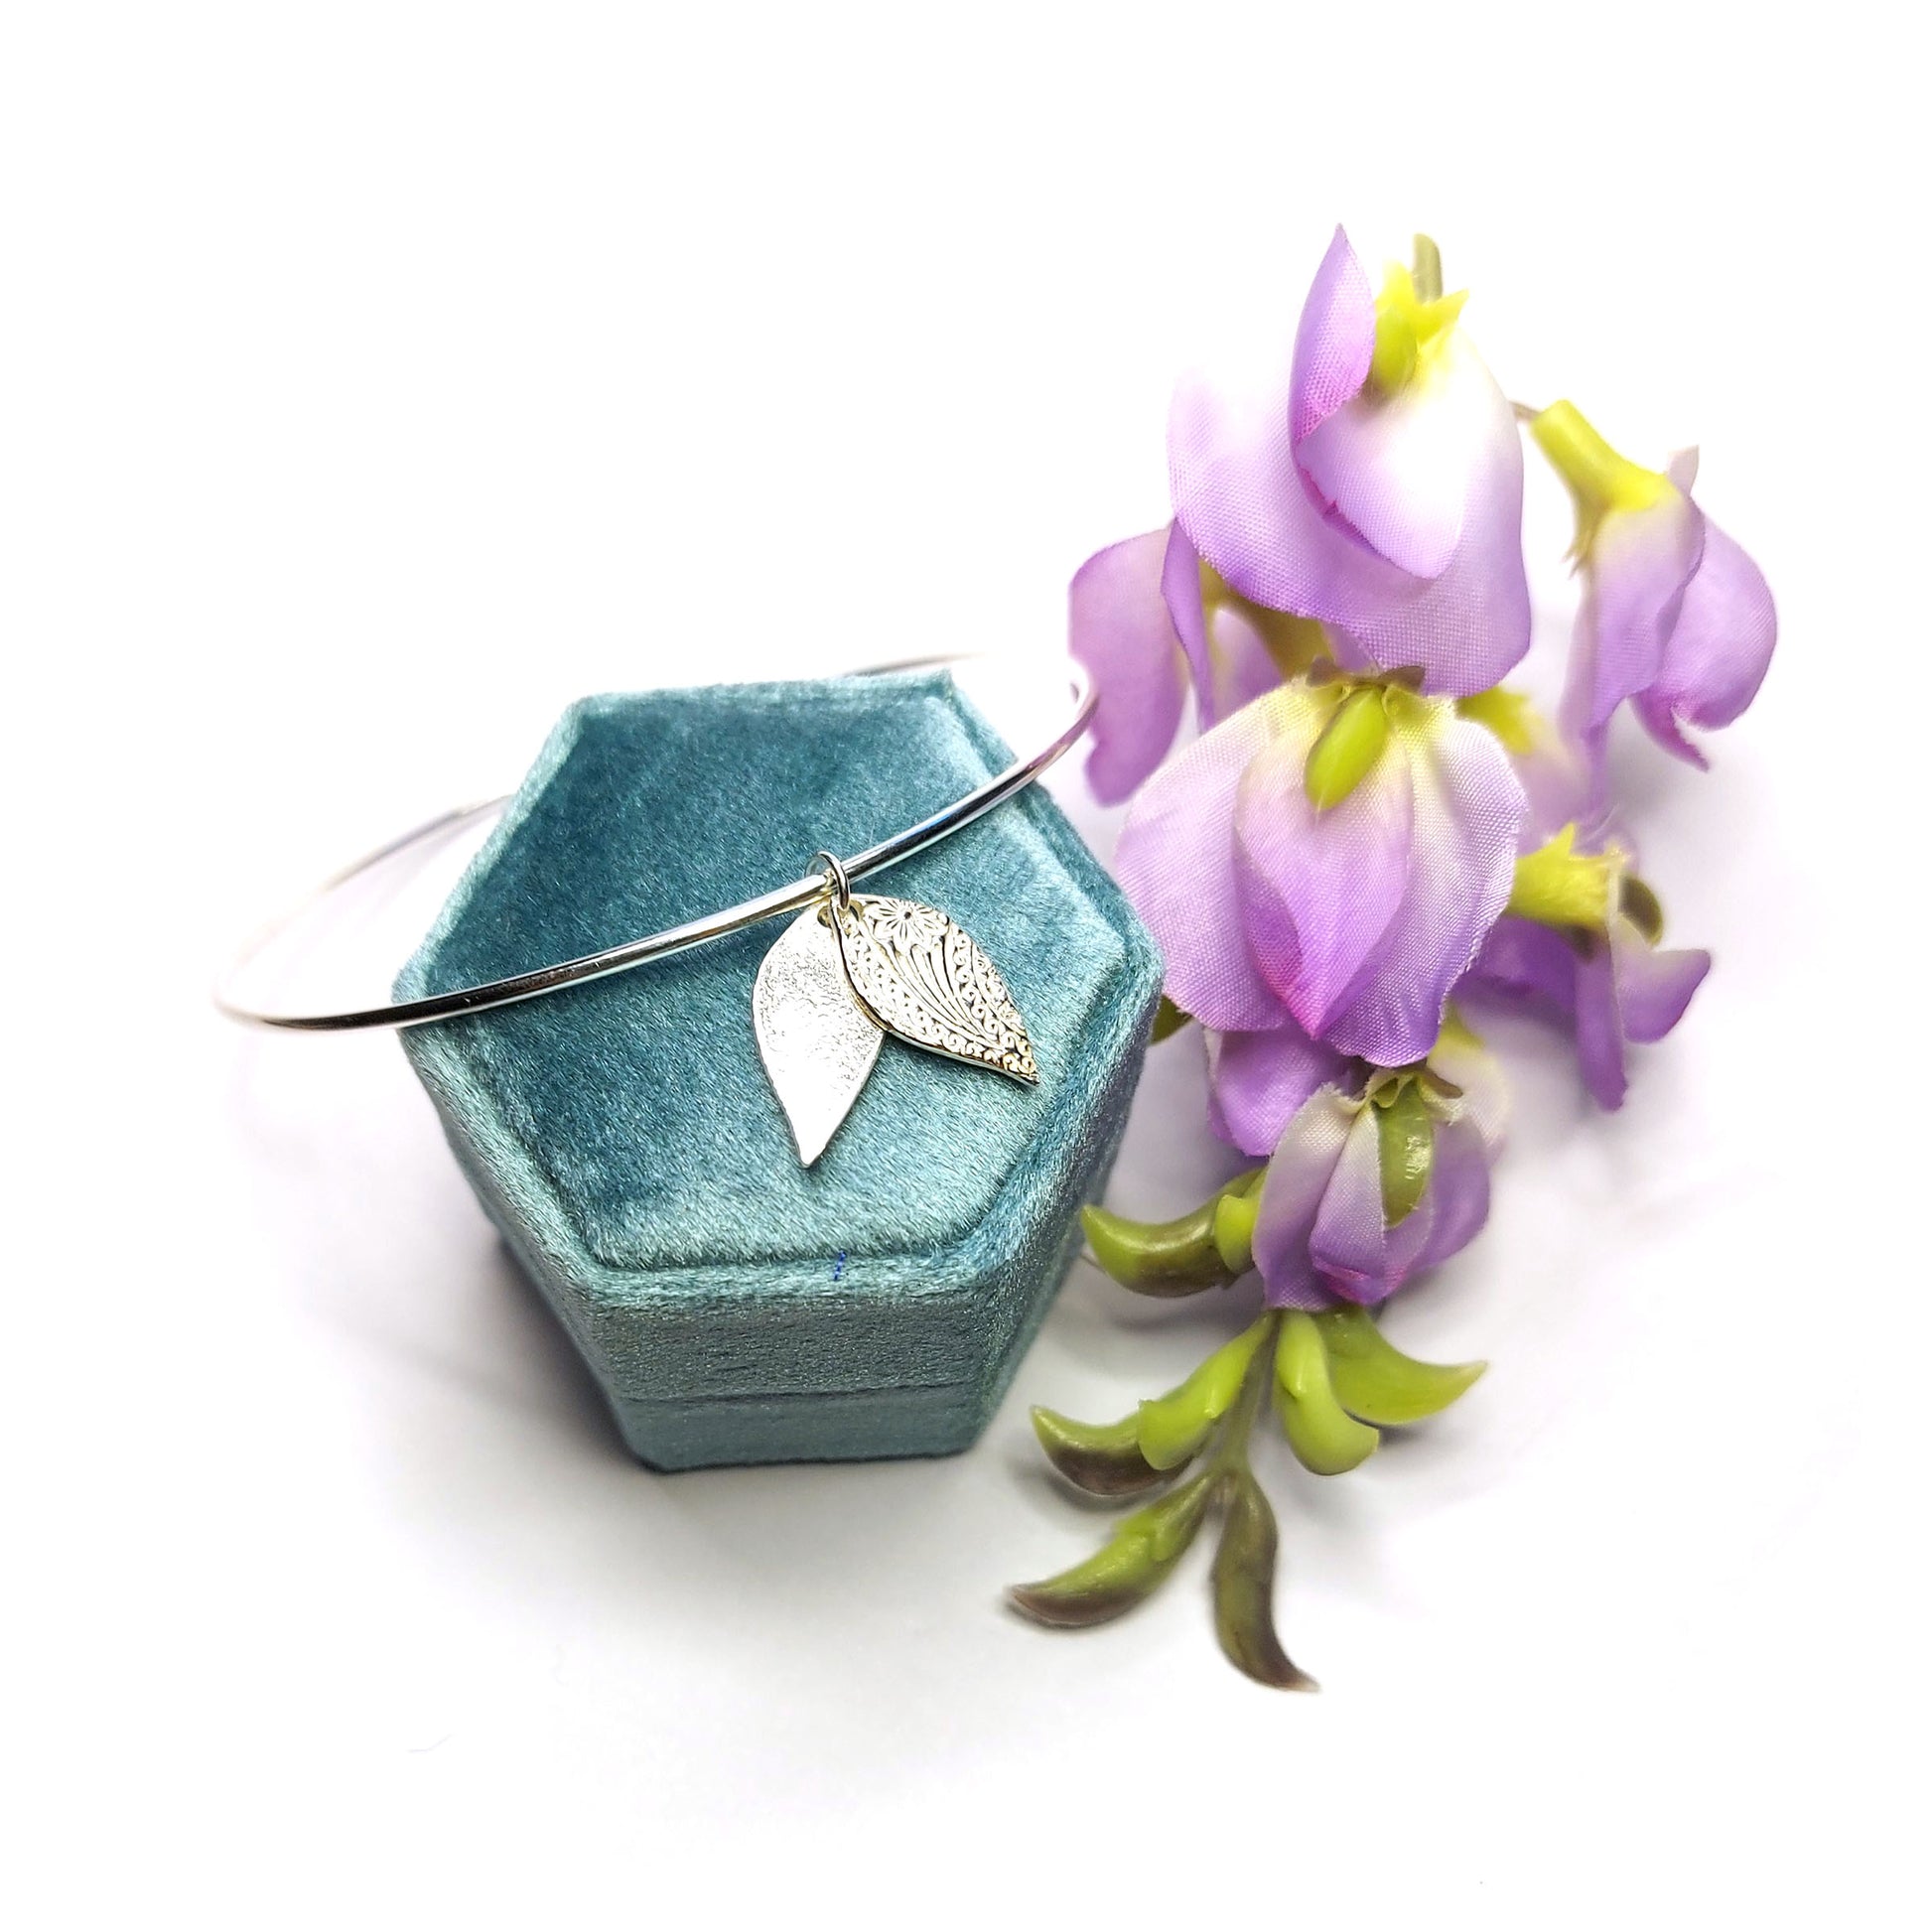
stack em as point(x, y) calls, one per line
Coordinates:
point(817, 1043)
point(922, 978)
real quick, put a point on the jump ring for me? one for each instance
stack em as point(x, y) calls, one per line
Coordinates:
point(833, 867)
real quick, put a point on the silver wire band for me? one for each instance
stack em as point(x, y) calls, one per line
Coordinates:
point(658, 945)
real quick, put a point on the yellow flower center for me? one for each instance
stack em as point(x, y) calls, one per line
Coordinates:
point(1410, 331)
point(1558, 886)
point(1508, 715)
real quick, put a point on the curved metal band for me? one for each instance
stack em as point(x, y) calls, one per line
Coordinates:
point(658, 945)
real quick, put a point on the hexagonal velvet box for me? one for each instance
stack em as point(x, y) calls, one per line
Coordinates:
point(732, 1305)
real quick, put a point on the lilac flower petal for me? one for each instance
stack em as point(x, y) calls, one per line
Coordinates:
point(1228, 657)
point(1469, 625)
point(1527, 965)
point(1358, 1256)
point(1318, 890)
point(1407, 1243)
point(1458, 1190)
point(1291, 1197)
point(1244, 668)
point(1175, 861)
point(1348, 1243)
point(1397, 469)
point(1349, 653)
point(1658, 719)
point(1258, 1082)
point(1641, 563)
point(1240, 494)
point(1461, 855)
point(1717, 653)
point(1120, 629)
point(1334, 341)
point(1653, 986)
point(1181, 591)
point(1558, 783)
point(1599, 1029)
point(1622, 992)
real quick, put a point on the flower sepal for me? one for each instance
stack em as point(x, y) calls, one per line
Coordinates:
point(1599, 478)
point(1326, 1440)
point(1577, 891)
point(1413, 319)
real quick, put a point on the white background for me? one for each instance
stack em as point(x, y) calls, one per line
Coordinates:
point(373, 382)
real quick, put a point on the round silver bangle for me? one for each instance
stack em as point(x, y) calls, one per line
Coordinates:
point(540, 980)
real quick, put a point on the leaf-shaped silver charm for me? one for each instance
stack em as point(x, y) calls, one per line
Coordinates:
point(817, 1043)
point(925, 982)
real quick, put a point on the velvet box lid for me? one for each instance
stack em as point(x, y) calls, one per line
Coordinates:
point(732, 1305)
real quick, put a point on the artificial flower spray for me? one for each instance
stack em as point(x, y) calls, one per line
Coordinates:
point(1370, 839)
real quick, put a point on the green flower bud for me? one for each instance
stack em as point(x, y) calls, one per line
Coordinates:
point(1323, 1435)
point(1244, 1588)
point(1164, 1259)
point(1174, 1427)
point(1132, 1564)
point(1373, 1379)
point(1103, 1458)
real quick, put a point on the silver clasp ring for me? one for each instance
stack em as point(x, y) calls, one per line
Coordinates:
point(837, 886)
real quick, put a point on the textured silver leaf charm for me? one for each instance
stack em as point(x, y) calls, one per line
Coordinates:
point(817, 1043)
point(925, 981)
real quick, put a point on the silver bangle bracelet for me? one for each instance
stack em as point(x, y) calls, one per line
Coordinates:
point(531, 985)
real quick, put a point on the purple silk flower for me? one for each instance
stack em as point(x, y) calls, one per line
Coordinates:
point(1613, 985)
point(1375, 485)
point(1354, 921)
point(1325, 1233)
point(1676, 619)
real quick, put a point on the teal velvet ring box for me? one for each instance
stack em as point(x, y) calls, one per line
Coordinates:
point(732, 1305)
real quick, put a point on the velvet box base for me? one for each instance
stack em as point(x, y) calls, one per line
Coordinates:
point(732, 1305)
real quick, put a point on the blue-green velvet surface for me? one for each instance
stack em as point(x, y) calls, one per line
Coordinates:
point(734, 1306)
